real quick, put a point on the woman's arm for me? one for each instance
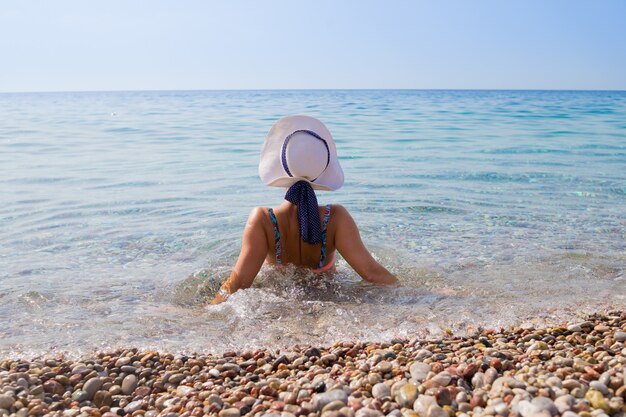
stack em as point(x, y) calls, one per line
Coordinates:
point(253, 252)
point(348, 243)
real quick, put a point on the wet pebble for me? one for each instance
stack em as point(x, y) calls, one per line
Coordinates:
point(423, 403)
point(368, 412)
point(381, 390)
point(383, 367)
point(436, 411)
point(92, 386)
point(406, 395)
point(80, 396)
point(53, 387)
point(133, 406)
point(6, 401)
point(129, 384)
point(538, 405)
point(178, 378)
point(230, 412)
point(441, 379)
point(183, 390)
point(419, 371)
point(599, 386)
point(333, 406)
point(103, 399)
point(321, 399)
point(597, 400)
point(564, 403)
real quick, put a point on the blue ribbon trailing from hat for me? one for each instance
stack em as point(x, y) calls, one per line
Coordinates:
point(302, 195)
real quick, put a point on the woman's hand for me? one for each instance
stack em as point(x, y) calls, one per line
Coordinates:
point(219, 298)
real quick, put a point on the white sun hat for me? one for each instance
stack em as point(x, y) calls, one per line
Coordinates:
point(300, 148)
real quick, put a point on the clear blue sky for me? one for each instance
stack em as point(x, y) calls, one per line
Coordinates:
point(66, 45)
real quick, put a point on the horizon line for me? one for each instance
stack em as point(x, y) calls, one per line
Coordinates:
point(311, 89)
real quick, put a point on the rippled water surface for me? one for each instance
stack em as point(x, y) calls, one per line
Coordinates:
point(122, 212)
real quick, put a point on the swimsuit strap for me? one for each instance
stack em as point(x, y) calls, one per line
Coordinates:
point(326, 217)
point(276, 235)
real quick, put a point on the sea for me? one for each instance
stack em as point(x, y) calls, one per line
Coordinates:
point(122, 212)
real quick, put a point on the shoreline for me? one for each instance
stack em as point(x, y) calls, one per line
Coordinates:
point(578, 368)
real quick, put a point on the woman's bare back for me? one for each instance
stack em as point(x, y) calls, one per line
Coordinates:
point(293, 249)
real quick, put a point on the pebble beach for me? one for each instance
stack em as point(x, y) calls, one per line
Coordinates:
point(573, 369)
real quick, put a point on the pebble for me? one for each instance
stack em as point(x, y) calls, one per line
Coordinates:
point(537, 346)
point(368, 412)
point(501, 409)
point(129, 384)
point(544, 404)
point(478, 380)
point(103, 399)
point(115, 390)
point(423, 354)
point(127, 369)
point(419, 371)
point(312, 351)
point(538, 405)
point(80, 396)
point(423, 404)
point(381, 390)
point(215, 399)
point(92, 386)
point(183, 390)
point(333, 405)
point(53, 387)
point(122, 361)
point(6, 401)
point(133, 406)
point(406, 395)
point(328, 358)
point(599, 386)
point(597, 400)
point(564, 403)
point(321, 399)
point(504, 382)
point(142, 391)
point(442, 379)
point(436, 411)
point(443, 396)
point(230, 412)
point(570, 384)
point(383, 367)
point(178, 378)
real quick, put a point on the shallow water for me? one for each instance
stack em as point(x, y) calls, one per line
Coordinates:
point(122, 212)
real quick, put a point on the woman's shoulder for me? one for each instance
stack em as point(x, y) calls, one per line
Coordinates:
point(258, 215)
point(338, 213)
point(338, 209)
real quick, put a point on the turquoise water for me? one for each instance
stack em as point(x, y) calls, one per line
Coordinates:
point(122, 212)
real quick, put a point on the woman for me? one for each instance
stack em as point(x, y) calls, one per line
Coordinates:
point(299, 154)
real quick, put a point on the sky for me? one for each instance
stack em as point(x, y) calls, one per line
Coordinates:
point(67, 45)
